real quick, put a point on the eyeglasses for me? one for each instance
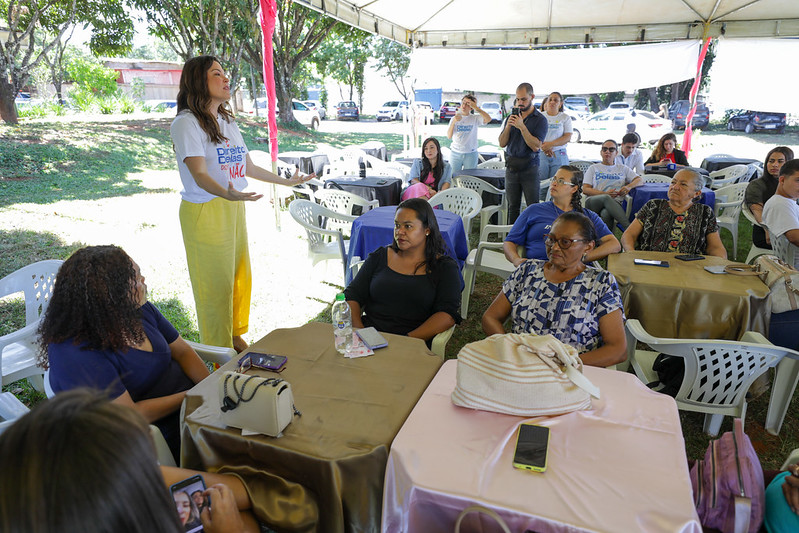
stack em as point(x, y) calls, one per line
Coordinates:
point(564, 243)
point(561, 181)
point(608, 149)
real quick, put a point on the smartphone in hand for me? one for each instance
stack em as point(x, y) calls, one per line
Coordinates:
point(190, 500)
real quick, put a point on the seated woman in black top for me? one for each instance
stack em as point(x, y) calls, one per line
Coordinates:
point(410, 287)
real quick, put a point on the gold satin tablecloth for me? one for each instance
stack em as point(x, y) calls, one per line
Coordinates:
point(685, 301)
point(326, 472)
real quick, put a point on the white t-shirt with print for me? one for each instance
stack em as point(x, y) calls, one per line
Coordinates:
point(780, 215)
point(226, 161)
point(464, 135)
point(558, 125)
point(606, 177)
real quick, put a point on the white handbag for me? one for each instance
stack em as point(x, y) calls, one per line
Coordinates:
point(522, 375)
point(264, 405)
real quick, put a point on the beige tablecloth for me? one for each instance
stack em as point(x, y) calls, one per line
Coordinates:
point(619, 467)
point(685, 301)
point(326, 472)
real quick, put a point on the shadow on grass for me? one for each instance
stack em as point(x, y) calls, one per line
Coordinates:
point(48, 162)
point(19, 248)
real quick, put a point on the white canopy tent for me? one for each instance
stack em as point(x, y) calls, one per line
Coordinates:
point(524, 23)
point(570, 71)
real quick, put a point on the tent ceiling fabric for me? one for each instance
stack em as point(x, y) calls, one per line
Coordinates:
point(572, 71)
point(524, 23)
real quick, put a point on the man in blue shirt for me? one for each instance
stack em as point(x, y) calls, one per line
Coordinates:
point(521, 137)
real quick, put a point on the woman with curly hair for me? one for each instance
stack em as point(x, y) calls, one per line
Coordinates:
point(213, 161)
point(430, 174)
point(101, 332)
point(411, 287)
point(535, 222)
point(666, 152)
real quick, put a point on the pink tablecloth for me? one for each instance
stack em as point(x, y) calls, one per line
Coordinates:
point(618, 467)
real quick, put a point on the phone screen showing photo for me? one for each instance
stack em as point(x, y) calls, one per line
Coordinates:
point(190, 501)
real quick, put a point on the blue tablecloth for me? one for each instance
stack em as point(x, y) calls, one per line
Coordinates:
point(375, 228)
point(650, 191)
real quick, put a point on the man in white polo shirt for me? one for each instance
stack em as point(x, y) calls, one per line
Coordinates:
point(629, 154)
point(781, 213)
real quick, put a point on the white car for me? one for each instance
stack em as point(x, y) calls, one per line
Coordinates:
point(494, 111)
point(614, 123)
point(392, 110)
point(302, 113)
point(317, 106)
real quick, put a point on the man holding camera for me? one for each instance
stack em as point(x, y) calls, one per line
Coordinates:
point(521, 137)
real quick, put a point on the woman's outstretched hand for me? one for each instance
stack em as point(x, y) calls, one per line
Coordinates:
point(240, 196)
point(297, 178)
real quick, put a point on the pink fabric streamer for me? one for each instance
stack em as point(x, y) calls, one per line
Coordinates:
point(267, 15)
point(686, 139)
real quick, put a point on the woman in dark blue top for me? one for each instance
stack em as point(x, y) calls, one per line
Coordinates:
point(410, 287)
point(100, 332)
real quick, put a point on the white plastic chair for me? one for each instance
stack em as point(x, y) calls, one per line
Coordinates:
point(305, 189)
point(18, 349)
point(463, 202)
point(10, 410)
point(783, 248)
point(582, 165)
point(729, 200)
point(338, 169)
point(487, 257)
point(728, 176)
point(323, 243)
point(344, 202)
point(754, 251)
point(656, 178)
point(718, 373)
point(754, 172)
point(495, 164)
point(480, 186)
point(543, 187)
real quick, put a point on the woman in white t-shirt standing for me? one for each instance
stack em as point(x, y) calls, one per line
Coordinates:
point(463, 132)
point(553, 149)
point(213, 162)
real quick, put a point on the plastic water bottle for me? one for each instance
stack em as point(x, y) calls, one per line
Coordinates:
point(342, 324)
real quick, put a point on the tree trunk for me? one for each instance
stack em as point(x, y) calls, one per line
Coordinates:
point(283, 90)
point(653, 99)
point(8, 111)
point(675, 92)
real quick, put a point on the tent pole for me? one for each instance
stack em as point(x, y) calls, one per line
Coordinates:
point(686, 139)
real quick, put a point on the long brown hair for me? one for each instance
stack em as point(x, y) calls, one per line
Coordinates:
point(659, 152)
point(193, 95)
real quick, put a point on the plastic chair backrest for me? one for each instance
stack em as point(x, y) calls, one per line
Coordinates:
point(315, 219)
point(784, 249)
point(582, 165)
point(726, 176)
point(491, 164)
point(344, 202)
point(731, 194)
point(475, 184)
point(36, 282)
point(656, 178)
point(463, 202)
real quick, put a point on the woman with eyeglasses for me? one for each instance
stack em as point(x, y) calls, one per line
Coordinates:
point(536, 221)
point(579, 305)
point(679, 224)
point(606, 185)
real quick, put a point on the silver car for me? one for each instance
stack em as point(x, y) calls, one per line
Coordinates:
point(317, 106)
point(494, 111)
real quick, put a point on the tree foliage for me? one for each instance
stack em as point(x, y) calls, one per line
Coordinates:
point(343, 56)
point(394, 59)
point(37, 26)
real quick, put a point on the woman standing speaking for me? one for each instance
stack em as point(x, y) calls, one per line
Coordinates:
point(213, 162)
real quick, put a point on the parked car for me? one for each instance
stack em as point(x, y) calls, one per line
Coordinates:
point(579, 103)
point(678, 112)
point(302, 113)
point(612, 124)
point(162, 106)
point(572, 110)
point(754, 121)
point(347, 109)
point(424, 109)
point(23, 100)
point(317, 106)
point(619, 105)
point(494, 111)
point(391, 110)
point(448, 110)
